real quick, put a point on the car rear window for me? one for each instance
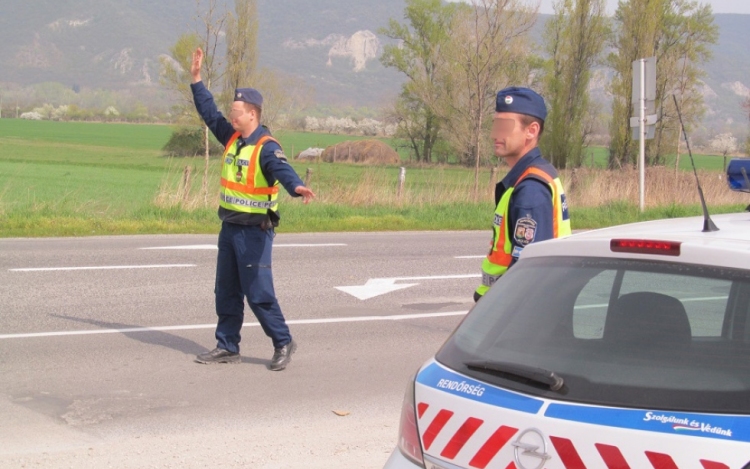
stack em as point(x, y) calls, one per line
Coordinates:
point(619, 332)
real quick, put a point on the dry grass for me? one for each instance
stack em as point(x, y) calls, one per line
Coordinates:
point(182, 187)
point(592, 188)
point(584, 187)
point(378, 187)
point(367, 186)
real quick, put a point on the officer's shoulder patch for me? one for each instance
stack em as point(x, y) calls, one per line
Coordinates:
point(564, 205)
point(280, 154)
point(525, 231)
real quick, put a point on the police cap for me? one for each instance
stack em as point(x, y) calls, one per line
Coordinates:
point(521, 101)
point(249, 95)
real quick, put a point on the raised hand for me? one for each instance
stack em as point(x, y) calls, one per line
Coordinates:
point(195, 67)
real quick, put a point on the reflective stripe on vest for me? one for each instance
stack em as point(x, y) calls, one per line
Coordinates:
point(243, 186)
point(501, 255)
point(247, 203)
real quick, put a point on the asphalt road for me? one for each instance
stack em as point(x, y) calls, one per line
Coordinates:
point(98, 336)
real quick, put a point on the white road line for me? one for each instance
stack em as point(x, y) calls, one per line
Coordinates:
point(322, 245)
point(103, 267)
point(398, 317)
point(470, 257)
point(213, 246)
point(192, 247)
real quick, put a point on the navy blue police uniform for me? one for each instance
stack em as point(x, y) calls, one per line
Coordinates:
point(245, 241)
point(531, 211)
point(530, 203)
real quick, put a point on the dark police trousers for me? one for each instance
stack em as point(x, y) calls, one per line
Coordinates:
point(243, 270)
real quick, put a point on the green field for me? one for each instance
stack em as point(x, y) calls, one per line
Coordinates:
point(74, 179)
point(596, 157)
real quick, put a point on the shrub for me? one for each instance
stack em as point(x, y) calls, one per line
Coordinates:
point(188, 141)
point(33, 115)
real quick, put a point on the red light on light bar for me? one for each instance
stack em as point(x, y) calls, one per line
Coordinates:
point(645, 246)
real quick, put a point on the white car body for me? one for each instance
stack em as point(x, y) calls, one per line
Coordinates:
point(466, 421)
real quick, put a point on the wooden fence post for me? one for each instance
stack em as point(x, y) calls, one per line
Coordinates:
point(308, 176)
point(186, 183)
point(401, 179)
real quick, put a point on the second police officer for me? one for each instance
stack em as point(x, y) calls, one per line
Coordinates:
point(253, 167)
point(530, 201)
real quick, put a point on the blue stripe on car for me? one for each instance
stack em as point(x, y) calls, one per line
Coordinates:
point(435, 376)
point(724, 427)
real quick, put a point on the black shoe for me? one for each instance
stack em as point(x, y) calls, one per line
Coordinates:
point(282, 356)
point(218, 355)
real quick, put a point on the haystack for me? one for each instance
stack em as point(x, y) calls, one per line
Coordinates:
point(361, 151)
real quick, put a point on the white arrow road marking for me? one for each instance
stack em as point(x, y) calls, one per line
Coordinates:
point(213, 246)
point(380, 286)
point(103, 267)
point(375, 287)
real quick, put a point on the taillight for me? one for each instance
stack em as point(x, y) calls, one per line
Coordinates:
point(408, 435)
point(645, 246)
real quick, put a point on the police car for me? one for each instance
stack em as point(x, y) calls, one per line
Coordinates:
point(627, 347)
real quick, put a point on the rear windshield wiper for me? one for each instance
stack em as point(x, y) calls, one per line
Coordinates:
point(517, 370)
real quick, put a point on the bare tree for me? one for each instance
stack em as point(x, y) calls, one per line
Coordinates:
point(281, 93)
point(419, 55)
point(683, 49)
point(488, 50)
point(211, 33)
point(242, 48)
point(416, 124)
point(678, 33)
point(175, 76)
point(574, 40)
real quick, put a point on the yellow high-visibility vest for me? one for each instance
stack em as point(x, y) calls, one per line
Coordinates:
point(243, 186)
point(500, 257)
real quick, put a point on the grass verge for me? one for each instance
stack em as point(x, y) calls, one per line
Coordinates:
point(82, 179)
point(297, 217)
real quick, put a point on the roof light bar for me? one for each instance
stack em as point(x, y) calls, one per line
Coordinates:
point(645, 246)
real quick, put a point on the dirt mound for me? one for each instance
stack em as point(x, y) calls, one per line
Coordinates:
point(361, 151)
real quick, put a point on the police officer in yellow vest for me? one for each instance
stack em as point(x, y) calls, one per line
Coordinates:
point(530, 200)
point(253, 168)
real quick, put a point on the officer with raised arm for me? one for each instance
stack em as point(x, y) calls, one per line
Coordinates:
point(253, 168)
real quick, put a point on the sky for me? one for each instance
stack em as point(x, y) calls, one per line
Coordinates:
point(719, 6)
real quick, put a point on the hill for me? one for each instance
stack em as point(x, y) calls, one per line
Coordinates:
point(331, 44)
point(116, 44)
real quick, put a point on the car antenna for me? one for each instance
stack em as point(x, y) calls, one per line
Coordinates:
point(708, 224)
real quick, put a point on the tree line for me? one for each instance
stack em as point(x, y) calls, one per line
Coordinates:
point(456, 56)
